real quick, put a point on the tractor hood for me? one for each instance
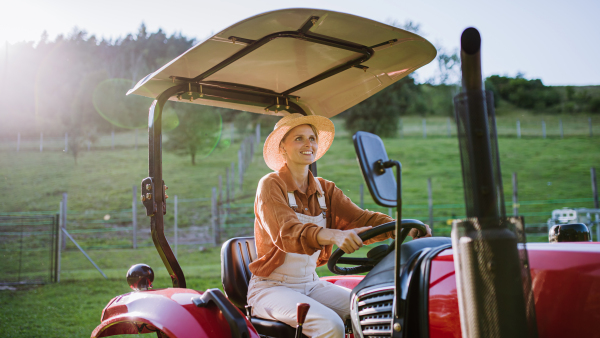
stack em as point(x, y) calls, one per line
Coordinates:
point(309, 61)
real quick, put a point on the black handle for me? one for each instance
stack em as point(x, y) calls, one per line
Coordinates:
point(237, 322)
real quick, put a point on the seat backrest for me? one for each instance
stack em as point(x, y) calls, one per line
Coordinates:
point(236, 255)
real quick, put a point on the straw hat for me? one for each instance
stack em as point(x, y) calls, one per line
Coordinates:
point(325, 129)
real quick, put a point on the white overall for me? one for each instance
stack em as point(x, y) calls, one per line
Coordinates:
point(296, 281)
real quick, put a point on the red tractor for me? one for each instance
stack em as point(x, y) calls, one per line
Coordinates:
point(484, 282)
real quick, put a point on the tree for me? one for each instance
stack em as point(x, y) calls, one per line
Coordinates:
point(198, 132)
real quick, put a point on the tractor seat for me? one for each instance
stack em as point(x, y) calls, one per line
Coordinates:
point(236, 255)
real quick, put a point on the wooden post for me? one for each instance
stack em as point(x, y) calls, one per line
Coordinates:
point(424, 128)
point(449, 128)
point(215, 217)
point(60, 240)
point(515, 196)
point(594, 188)
point(227, 178)
point(18, 141)
point(518, 129)
point(258, 134)
point(41, 142)
point(64, 218)
point(590, 124)
point(176, 239)
point(430, 201)
point(560, 126)
point(66, 143)
point(543, 129)
point(241, 168)
point(362, 196)
point(134, 215)
point(232, 173)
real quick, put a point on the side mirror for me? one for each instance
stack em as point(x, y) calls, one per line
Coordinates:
point(376, 169)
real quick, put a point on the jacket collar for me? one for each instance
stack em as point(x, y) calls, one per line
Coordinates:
point(286, 176)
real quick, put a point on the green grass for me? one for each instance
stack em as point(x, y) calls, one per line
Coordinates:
point(548, 169)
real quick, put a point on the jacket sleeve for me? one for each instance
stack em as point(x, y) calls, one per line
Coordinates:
point(346, 215)
point(280, 222)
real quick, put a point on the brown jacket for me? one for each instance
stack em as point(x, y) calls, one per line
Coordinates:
point(277, 229)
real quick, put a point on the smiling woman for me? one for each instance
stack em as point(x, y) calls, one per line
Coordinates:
point(298, 219)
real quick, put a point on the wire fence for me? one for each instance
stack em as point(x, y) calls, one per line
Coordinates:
point(548, 126)
point(28, 247)
point(508, 127)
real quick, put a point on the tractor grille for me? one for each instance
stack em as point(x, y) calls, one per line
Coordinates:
point(374, 313)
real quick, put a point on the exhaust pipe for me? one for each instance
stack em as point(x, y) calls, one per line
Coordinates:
point(489, 268)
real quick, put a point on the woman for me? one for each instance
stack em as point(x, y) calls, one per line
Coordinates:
point(298, 219)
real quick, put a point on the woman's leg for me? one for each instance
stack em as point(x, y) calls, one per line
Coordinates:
point(334, 297)
point(279, 303)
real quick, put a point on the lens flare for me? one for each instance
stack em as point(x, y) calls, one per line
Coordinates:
point(130, 112)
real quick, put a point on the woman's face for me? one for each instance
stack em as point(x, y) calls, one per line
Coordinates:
point(300, 146)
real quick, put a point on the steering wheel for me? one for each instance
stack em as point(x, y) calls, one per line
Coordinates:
point(376, 254)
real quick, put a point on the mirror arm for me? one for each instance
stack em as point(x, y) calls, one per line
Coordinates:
point(399, 303)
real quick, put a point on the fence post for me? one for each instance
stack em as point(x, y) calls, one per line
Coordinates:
point(232, 173)
point(590, 124)
point(560, 126)
point(518, 129)
point(362, 196)
point(176, 239)
point(449, 128)
point(515, 195)
point(424, 128)
point(41, 142)
point(215, 216)
point(594, 188)
point(59, 244)
point(258, 133)
point(134, 215)
point(64, 218)
point(543, 129)
point(430, 201)
point(18, 141)
point(241, 167)
point(66, 143)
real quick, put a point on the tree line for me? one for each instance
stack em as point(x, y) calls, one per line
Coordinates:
point(76, 84)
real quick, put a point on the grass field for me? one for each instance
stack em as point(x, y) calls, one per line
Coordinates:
point(548, 169)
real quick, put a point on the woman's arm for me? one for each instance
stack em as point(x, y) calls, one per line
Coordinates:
point(347, 240)
point(347, 216)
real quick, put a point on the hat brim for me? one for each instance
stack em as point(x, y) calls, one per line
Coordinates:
point(325, 129)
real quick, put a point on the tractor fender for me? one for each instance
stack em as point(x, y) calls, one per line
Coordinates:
point(169, 312)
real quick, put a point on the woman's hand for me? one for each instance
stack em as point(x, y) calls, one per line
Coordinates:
point(415, 234)
point(347, 240)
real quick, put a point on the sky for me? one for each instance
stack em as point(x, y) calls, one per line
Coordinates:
point(556, 41)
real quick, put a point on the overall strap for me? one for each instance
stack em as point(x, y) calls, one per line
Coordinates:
point(320, 197)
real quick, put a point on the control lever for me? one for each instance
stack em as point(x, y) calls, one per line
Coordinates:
point(301, 311)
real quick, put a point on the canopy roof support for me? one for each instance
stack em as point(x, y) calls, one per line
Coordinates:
point(262, 95)
point(157, 200)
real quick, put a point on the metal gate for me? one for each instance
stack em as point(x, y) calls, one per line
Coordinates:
point(28, 249)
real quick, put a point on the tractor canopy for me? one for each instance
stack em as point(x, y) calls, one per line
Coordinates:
point(299, 60)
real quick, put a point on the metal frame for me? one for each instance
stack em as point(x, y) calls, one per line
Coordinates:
point(153, 188)
point(238, 93)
